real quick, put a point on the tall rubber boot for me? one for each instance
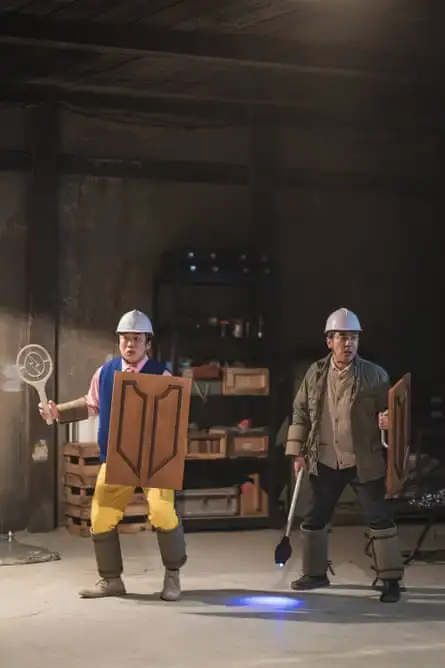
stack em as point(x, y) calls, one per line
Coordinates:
point(109, 565)
point(315, 560)
point(388, 562)
point(173, 554)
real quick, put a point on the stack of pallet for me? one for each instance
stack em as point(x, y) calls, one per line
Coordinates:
point(81, 467)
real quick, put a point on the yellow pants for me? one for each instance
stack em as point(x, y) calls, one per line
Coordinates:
point(109, 503)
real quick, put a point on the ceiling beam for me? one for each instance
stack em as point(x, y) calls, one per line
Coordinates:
point(176, 171)
point(412, 114)
point(340, 60)
point(179, 171)
point(84, 97)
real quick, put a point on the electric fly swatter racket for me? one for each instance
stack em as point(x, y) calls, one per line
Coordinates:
point(35, 366)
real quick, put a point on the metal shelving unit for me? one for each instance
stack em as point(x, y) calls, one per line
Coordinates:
point(215, 307)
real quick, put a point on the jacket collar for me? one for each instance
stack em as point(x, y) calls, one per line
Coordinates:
point(322, 372)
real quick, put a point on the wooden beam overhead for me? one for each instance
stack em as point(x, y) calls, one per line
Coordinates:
point(408, 113)
point(177, 171)
point(184, 171)
point(29, 94)
point(326, 58)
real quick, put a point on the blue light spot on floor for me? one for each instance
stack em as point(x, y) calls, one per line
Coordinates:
point(272, 603)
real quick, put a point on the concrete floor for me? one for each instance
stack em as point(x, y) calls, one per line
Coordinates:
point(44, 623)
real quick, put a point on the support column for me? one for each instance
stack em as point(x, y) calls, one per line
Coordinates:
point(263, 234)
point(43, 301)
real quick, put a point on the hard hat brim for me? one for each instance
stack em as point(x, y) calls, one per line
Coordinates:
point(342, 329)
point(133, 331)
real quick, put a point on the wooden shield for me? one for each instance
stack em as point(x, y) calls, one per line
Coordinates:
point(399, 435)
point(148, 430)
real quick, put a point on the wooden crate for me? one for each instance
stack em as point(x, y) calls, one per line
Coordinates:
point(135, 519)
point(253, 499)
point(78, 527)
point(214, 502)
point(138, 496)
point(249, 445)
point(240, 380)
point(202, 372)
point(81, 527)
point(82, 460)
point(210, 444)
point(133, 510)
point(79, 494)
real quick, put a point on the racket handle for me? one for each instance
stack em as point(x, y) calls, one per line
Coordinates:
point(44, 401)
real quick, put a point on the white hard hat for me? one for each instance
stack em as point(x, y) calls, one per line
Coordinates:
point(135, 322)
point(342, 320)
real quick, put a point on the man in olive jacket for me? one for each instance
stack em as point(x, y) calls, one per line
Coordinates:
point(335, 435)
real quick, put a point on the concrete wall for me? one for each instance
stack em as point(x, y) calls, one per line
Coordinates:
point(113, 233)
point(12, 126)
point(376, 252)
point(112, 134)
point(355, 149)
point(364, 247)
point(15, 456)
point(366, 251)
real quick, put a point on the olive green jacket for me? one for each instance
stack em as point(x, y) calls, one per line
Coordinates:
point(369, 397)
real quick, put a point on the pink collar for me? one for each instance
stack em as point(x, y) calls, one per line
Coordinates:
point(135, 368)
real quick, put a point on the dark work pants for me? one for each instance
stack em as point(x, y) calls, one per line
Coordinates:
point(327, 488)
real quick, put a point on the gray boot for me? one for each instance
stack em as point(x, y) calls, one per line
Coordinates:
point(315, 560)
point(388, 562)
point(171, 590)
point(173, 554)
point(109, 565)
point(386, 553)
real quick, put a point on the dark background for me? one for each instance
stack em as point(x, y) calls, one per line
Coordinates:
point(314, 130)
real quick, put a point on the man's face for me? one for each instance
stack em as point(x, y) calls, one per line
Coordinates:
point(133, 347)
point(344, 346)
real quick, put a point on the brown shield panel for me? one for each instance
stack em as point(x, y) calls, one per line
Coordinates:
point(399, 435)
point(148, 430)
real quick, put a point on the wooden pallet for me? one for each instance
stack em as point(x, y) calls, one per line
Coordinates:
point(207, 445)
point(82, 460)
point(83, 512)
point(253, 499)
point(81, 527)
point(80, 494)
